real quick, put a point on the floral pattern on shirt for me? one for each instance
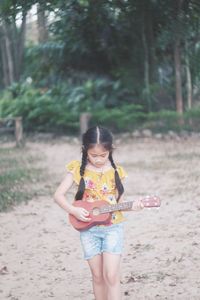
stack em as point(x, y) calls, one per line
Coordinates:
point(104, 188)
point(114, 216)
point(97, 187)
point(111, 199)
point(89, 184)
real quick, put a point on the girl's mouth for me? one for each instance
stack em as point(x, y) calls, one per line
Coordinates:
point(99, 164)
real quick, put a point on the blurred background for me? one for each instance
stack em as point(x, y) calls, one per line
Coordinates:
point(130, 64)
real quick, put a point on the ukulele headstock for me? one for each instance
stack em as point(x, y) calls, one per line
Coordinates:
point(151, 201)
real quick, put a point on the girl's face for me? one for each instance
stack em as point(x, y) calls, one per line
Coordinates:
point(98, 156)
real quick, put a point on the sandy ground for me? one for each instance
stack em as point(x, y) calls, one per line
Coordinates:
point(40, 257)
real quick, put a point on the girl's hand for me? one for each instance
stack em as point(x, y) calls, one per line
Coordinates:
point(137, 205)
point(81, 214)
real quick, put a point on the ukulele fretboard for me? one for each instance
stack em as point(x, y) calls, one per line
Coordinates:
point(114, 207)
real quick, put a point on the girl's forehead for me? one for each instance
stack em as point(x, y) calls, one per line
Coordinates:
point(97, 149)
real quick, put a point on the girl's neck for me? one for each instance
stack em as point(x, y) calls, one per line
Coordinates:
point(102, 169)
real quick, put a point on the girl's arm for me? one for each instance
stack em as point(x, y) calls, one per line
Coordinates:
point(60, 199)
point(62, 189)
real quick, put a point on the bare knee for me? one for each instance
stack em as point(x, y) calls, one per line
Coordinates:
point(97, 277)
point(111, 279)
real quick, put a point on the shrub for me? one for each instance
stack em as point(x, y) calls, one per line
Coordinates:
point(124, 118)
point(58, 109)
point(163, 121)
point(192, 119)
point(40, 110)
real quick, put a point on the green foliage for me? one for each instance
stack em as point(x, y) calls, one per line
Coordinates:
point(58, 108)
point(44, 63)
point(129, 41)
point(10, 8)
point(193, 113)
point(192, 119)
point(40, 111)
point(163, 121)
point(166, 120)
point(119, 119)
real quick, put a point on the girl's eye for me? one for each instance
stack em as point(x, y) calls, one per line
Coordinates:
point(94, 155)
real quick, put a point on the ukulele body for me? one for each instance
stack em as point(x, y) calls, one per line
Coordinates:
point(97, 217)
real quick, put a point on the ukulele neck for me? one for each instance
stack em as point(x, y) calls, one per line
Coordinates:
point(115, 207)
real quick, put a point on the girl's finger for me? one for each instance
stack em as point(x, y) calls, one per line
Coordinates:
point(84, 219)
point(141, 205)
point(86, 213)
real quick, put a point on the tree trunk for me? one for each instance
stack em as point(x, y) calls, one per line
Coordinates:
point(151, 45)
point(12, 49)
point(189, 79)
point(177, 57)
point(4, 60)
point(146, 62)
point(14, 35)
point(42, 24)
point(8, 53)
point(20, 46)
point(179, 98)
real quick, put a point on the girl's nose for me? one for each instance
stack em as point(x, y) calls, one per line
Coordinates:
point(98, 160)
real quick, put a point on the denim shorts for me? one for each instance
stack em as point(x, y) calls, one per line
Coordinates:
point(100, 239)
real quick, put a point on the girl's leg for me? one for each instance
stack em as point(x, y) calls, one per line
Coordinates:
point(99, 286)
point(111, 271)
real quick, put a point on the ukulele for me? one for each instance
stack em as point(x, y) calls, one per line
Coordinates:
point(100, 211)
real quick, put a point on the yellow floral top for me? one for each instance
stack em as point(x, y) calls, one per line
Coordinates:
point(98, 186)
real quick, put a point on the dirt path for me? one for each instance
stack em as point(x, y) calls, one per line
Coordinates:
point(40, 251)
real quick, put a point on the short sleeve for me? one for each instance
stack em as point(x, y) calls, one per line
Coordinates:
point(122, 173)
point(74, 168)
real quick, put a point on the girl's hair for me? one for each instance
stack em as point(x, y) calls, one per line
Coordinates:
point(97, 135)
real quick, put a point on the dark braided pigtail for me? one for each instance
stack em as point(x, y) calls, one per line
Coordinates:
point(97, 136)
point(81, 187)
point(118, 182)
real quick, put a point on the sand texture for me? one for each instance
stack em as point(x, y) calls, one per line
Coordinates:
point(40, 255)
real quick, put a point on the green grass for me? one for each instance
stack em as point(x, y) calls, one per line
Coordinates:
point(17, 177)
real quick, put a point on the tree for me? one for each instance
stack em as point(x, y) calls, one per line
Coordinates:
point(13, 38)
point(177, 55)
point(42, 22)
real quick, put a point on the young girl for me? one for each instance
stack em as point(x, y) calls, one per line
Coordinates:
point(98, 178)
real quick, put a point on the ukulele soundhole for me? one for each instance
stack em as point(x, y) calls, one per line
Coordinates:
point(95, 211)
